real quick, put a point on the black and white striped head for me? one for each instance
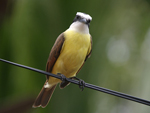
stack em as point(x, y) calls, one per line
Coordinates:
point(82, 17)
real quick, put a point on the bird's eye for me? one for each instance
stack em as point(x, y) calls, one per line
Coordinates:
point(78, 17)
point(88, 21)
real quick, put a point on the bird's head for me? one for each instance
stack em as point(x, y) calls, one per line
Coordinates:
point(83, 18)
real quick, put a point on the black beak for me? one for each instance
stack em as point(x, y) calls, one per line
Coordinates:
point(83, 20)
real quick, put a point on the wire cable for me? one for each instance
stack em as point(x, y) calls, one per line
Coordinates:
point(91, 86)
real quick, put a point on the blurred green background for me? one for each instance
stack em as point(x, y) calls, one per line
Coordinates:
point(120, 58)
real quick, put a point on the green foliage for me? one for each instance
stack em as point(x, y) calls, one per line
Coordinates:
point(120, 58)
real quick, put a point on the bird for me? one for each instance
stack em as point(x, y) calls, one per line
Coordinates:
point(67, 56)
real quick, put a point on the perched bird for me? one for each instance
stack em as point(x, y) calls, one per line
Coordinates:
point(67, 56)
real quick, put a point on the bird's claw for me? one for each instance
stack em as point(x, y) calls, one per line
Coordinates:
point(63, 78)
point(81, 84)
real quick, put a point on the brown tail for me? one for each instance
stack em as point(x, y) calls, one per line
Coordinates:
point(44, 97)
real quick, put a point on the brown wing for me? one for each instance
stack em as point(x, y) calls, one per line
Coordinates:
point(55, 52)
point(88, 55)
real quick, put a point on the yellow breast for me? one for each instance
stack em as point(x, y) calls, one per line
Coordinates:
point(75, 48)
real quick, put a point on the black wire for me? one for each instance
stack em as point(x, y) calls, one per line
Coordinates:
point(104, 90)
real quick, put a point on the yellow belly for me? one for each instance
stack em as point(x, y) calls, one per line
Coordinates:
point(75, 48)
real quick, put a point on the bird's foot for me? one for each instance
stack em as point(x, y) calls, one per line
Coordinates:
point(81, 83)
point(63, 78)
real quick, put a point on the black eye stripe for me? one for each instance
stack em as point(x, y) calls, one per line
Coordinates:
point(78, 17)
point(88, 21)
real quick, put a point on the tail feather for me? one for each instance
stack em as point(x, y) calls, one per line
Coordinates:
point(44, 97)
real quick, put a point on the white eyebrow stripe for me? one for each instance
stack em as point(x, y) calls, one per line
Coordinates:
point(84, 15)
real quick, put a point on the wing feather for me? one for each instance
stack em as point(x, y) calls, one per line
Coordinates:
point(55, 52)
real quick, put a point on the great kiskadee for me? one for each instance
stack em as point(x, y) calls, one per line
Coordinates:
point(67, 56)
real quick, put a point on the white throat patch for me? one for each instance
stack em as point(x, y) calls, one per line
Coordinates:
point(79, 27)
